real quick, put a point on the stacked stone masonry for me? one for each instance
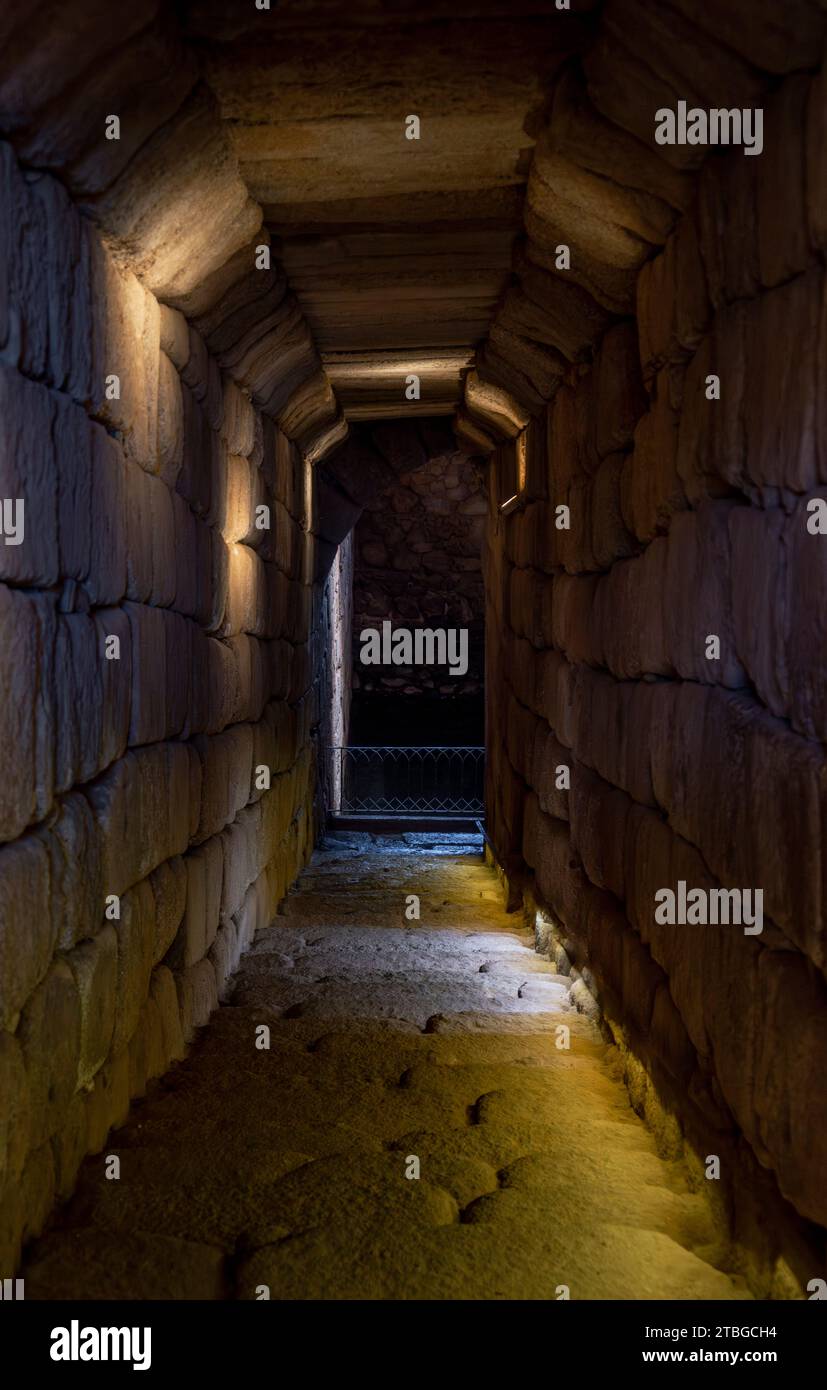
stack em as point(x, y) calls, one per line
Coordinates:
point(158, 793)
point(417, 565)
point(688, 518)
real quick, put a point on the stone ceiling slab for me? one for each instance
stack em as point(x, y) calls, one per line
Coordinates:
point(391, 245)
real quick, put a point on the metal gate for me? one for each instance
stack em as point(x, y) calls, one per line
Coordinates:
point(393, 781)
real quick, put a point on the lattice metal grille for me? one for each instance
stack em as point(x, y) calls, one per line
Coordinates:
point(410, 781)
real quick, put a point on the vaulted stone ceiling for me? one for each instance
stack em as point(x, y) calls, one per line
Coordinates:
point(397, 249)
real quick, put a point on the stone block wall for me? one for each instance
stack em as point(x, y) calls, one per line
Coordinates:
point(691, 516)
point(159, 654)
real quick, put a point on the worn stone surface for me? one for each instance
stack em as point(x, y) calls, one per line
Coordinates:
point(387, 1039)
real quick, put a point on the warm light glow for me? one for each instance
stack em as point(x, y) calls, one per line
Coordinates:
point(370, 367)
point(238, 504)
point(521, 461)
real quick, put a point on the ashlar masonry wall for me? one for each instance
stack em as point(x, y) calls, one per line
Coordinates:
point(158, 650)
point(691, 452)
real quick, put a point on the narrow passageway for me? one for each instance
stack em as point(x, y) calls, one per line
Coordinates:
point(391, 1039)
point(398, 419)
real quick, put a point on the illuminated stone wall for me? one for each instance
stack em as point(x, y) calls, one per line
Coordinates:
point(655, 677)
point(160, 633)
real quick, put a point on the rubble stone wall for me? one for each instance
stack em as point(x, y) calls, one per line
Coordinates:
point(159, 652)
point(418, 565)
point(692, 516)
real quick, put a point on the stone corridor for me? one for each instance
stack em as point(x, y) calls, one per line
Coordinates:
point(503, 321)
point(285, 1168)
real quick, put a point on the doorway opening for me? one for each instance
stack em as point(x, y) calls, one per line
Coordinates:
point(408, 737)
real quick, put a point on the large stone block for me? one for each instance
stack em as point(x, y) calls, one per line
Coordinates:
point(26, 244)
point(783, 413)
point(756, 811)
point(136, 936)
point(127, 346)
point(727, 221)
point(219, 590)
point(620, 399)
point(106, 582)
point(237, 518)
point(280, 661)
point(164, 997)
point(205, 871)
point(198, 473)
point(599, 815)
point(550, 760)
point(115, 683)
point(26, 1204)
point(251, 666)
point(247, 598)
point(224, 956)
point(169, 888)
point(195, 372)
point(816, 156)
point(11, 196)
point(773, 38)
point(651, 489)
point(142, 808)
point(15, 1113)
point(573, 628)
point(644, 55)
point(238, 426)
point(139, 539)
point(548, 309)
point(692, 306)
point(197, 996)
point(226, 761)
point(27, 479)
point(803, 660)
point(170, 421)
point(783, 243)
point(9, 183)
point(148, 716)
point(66, 269)
point(181, 205)
point(697, 597)
point(241, 848)
point(630, 615)
point(610, 538)
point(75, 892)
point(27, 636)
point(163, 544)
point(223, 684)
point(161, 644)
point(656, 308)
point(94, 965)
point(791, 1055)
point(28, 932)
point(79, 661)
point(107, 1105)
point(711, 436)
point(90, 66)
point(261, 531)
point(542, 366)
point(50, 1034)
point(246, 297)
point(175, 336)
point(760, 621)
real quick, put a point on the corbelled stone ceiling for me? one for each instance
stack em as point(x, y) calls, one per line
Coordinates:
point(397, 249)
